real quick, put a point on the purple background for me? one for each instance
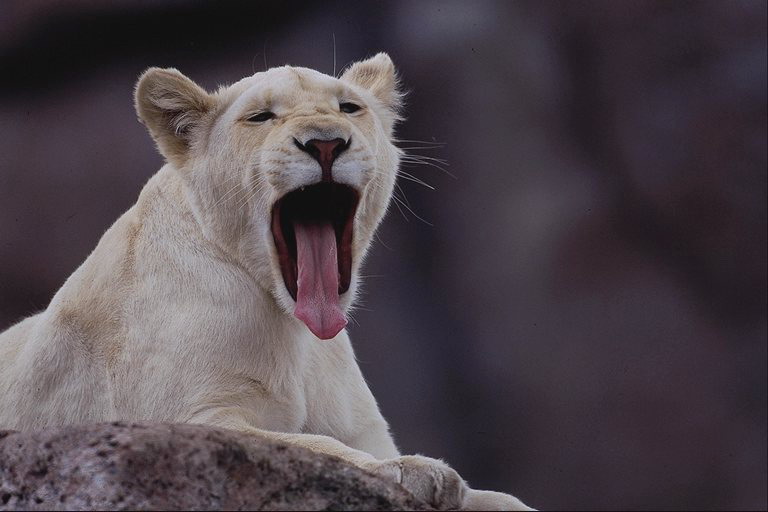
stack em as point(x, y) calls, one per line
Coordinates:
point(584, 322)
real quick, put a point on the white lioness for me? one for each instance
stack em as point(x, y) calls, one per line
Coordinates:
point(207, 300)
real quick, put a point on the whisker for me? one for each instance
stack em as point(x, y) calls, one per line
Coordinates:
point(425, 158)
point(406, 176)
point(378, 185)
point(401, 210)
point(414, 163)
point(405, 197)
point(433, 143)
point(251, 193)
point(231, 193)
point(418, 147)
point(411, 177)
point(382, 241)
point(334, 53)
point(398, 200)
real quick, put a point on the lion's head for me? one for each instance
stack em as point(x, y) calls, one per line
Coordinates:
point(289, 170)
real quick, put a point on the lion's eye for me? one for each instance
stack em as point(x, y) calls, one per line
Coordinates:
point(261, 117)
point(349, 108)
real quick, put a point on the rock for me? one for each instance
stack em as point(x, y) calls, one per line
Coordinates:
point(122, 466)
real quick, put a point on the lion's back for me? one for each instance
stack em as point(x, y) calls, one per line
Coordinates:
point(12, 341)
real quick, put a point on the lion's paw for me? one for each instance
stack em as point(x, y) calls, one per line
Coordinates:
point(429, 480)
point(490, 500)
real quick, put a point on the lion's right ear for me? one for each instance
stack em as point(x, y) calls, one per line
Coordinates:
point(171, 106)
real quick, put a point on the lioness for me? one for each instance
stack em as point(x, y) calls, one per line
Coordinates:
point(207, 300)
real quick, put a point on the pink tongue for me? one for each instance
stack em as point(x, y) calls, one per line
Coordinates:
point(317, 299)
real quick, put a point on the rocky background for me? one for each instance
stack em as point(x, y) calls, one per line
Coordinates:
point(580, 319)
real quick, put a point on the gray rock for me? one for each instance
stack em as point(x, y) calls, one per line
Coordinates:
point(121, 466)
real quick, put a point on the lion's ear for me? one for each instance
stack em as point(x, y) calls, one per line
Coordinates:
point(378, 75)
point(171, 106)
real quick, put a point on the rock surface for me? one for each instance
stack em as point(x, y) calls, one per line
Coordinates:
point(121, 466)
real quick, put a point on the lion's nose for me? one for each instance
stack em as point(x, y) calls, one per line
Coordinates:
point(325, 152)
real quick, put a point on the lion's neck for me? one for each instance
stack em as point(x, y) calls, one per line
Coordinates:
point(158, 253)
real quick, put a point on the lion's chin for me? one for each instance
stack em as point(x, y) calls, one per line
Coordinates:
point(312, 228)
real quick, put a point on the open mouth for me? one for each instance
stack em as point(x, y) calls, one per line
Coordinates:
point(312, 228)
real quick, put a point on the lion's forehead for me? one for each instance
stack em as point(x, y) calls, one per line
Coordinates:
point(288, 86)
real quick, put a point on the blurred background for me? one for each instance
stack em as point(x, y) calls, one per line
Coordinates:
point(579, 319)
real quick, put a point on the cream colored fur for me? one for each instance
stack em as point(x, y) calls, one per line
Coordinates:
point(180, 314)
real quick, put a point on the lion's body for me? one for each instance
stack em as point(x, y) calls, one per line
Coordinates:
point(159, 325)
point(180, 313)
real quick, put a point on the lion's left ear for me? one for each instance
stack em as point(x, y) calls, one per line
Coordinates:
point(172, 107)
point(378, 75)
